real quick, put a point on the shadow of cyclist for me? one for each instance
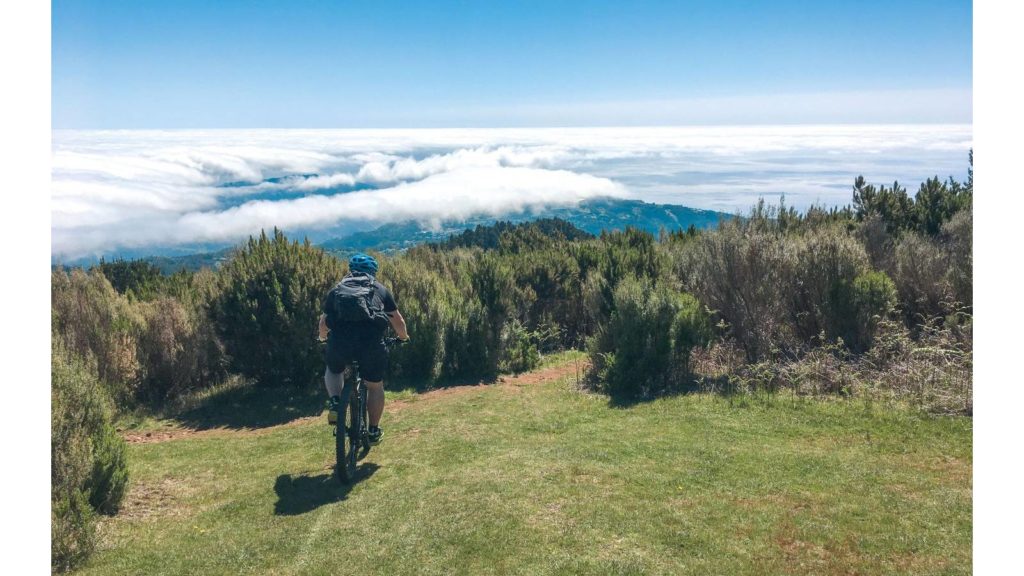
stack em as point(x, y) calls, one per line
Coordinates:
point(303, 493)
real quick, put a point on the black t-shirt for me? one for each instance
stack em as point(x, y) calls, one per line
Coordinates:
point(383, 293)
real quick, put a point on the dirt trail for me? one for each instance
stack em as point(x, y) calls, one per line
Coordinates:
point(525, 379)
point(178, 432)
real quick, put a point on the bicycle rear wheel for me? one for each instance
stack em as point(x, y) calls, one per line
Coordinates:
point(346, 443)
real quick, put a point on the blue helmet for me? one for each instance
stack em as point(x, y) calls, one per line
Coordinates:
point(363, 263)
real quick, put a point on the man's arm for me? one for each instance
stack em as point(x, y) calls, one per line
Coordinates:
point(398, 323)
point(323, 327)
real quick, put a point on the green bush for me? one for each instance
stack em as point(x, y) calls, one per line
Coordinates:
point(108, 481)
point(920, 273)
point(519, 348)
point(72, 530)
point(614, 257)
point(877, 241)
point(826, 262)
point(872, 297)
point(936, 202)
point(488, 298)
point(178, 350)
point(429, 302)
point(268, 308)
point(958, 238)
point(134, 278)
point(743, 271)
point(96, 322)
point(691, 329)
point(88, 467)
point(645, 346)
point(552, 288)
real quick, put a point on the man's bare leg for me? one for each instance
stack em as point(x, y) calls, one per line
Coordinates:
point(374, 401)
point(334, 382)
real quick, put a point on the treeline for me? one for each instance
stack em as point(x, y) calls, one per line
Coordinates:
point(874, 296)
point(490, 237)
point(774, 284)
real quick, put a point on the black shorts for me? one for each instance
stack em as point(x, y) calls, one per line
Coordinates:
point(368, 350)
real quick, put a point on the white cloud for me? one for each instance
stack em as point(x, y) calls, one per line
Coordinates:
point(142, 188)
point(328, 181)
point(400, 169)
point(460, 193)
point(457, 194)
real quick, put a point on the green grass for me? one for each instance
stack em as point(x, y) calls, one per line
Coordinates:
point(543, 479)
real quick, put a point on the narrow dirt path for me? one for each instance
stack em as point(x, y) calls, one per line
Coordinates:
point(555, 372)
point(548, 374)
point(177, 433)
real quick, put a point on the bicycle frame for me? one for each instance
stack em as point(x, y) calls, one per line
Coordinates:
point(353, 424)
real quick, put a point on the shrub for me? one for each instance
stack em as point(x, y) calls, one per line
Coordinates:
point(268, 308)
point(96, 322)
point(872, 298)
point(429, 303)
point(826, 262)
point(920, 274)
point(88, 468)
point(741, 273)
point(645, 346)
point(891, 205)
point(493, 285)
point(179, 351)
point(473, 313)
point(691, 329)
point(519, 348)
point(472, 345)
point(136, 278)
point(109, 479)
point(552, 287)
point(931, 372)
point(620, 255)
point(936, 202)
point(957, 235)
point(877, 241)
point(167, 350)
point(72, 530)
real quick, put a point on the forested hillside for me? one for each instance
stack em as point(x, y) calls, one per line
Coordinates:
point(591, 216)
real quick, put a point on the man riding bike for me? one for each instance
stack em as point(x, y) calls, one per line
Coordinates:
point(356, 313)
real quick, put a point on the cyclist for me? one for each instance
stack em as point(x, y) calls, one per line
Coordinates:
point(356, 313)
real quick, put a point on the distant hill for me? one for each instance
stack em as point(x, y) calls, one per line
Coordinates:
point(591, 216)
point(610, 213)
point(489, 237)
point(169, 259)
point(192, 262)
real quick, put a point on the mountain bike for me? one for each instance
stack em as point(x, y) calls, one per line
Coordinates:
point(351, 431)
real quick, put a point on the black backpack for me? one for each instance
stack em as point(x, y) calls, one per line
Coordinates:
point(356, 300)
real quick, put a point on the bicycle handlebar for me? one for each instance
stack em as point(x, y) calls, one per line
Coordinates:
point(389, 341)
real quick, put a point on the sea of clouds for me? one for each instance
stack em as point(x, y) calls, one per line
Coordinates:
point(129, 190)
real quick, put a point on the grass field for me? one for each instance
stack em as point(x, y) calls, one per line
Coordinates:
point(533, 477)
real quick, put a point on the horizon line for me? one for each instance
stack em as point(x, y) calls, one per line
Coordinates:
point(525, 127)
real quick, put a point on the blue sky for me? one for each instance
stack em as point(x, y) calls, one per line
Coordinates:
point(339, 64)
